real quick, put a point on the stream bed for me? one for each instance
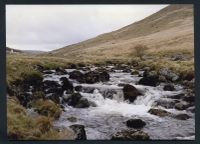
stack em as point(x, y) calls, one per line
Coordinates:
point(110, 113)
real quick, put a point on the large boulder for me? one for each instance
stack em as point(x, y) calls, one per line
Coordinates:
point(52, 87)
point(77, 75)
point(79, 131)
point(82, 103)
point(135, 123)
point(76, 100)
point(159, 112)
point(130, 92)
point(91, 77)
point(130, 135)
point(66, 85)
point(149, 79)
point(104, 76)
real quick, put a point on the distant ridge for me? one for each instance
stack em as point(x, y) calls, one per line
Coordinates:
point(169, 29)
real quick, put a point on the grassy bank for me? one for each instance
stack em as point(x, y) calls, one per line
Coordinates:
point(26, 127)
point(22, 67)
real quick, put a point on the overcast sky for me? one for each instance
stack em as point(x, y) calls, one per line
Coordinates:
point(49, 27)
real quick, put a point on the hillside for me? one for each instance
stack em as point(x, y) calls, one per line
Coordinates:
point(169, 29)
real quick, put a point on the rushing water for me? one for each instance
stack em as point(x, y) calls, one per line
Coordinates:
point(111, 111)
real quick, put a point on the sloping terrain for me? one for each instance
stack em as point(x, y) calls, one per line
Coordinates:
point(170, 29)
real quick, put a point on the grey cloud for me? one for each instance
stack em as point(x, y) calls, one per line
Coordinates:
point(48, 27)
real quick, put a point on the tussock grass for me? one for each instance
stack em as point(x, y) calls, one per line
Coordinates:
point(21, 126)
point(47, 108)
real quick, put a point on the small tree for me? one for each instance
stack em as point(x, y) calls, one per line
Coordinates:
point(140, 50)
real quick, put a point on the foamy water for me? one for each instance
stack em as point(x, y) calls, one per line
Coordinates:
point(110, 114)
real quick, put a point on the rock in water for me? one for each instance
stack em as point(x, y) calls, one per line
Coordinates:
point(169, 87)
point(130, 92)
point(79, 131)
point(104, 76)
point(66, 85)
point(78, 88)
point(77, 75)
point(76, 100)
point(82, 103)
point(182, 116)
point(149, 80)
point(135, 123)
point(159, 112)
point(182, 105)
point(130, 135)
point(91, 77)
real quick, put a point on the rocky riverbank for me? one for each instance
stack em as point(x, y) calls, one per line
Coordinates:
point(133, 98)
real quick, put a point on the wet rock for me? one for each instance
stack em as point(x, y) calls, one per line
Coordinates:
point(78, 88)
point(121, 84)
point(91, 77)
point(66, 85)
point(168, 74)
point(182, 117)
point(50, 84)
point(166, 103)
point(60, 71)
point(189, 98)
point(77, 75)
point(104, 76)
point(109, 93)
point(135, 123)
point(169, 87)
point(92, 104)
point(72, 119)
point(182, 105)
point(72, 99)
point(149, 81)
point(76, 100)
point(191, 109)
point(121, 67)
point(127, 70)
point(79, 131)
point(159, 112)
point(177, 96)
point(82, 103)
point(52, 87)
point(130, 135)
point(130, 92)
point(88, 89)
